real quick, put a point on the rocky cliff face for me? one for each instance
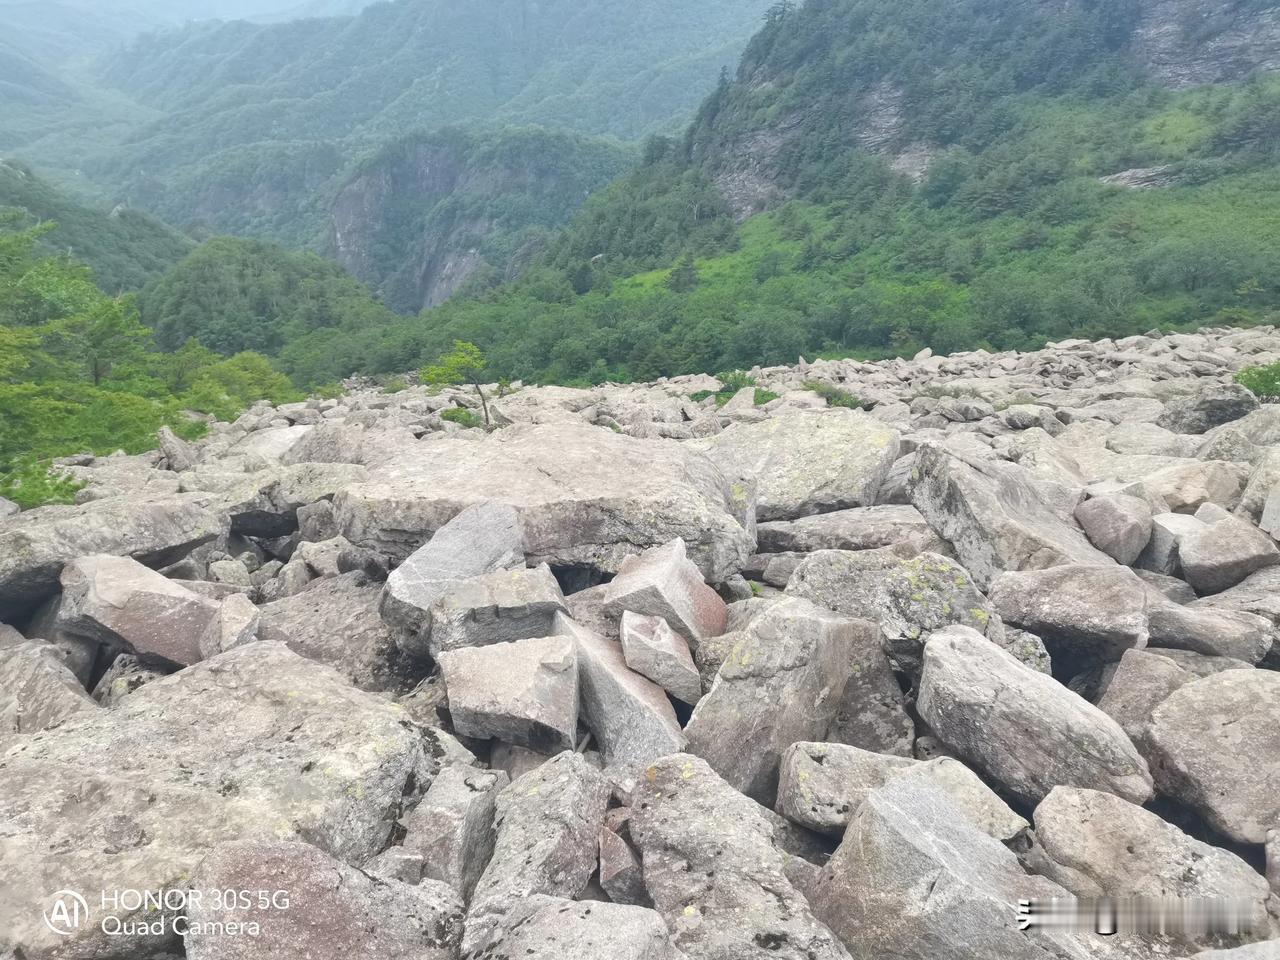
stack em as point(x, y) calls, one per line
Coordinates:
point(754, 137)
point(421, 218)
point(1192, 42)
point(638, 675)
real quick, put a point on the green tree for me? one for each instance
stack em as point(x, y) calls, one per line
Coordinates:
point(463, 364)
point(684, 276)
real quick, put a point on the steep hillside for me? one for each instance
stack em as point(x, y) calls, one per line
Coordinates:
point(878, 178)
point(430, 211)
point(253, 117)
point(125, 249)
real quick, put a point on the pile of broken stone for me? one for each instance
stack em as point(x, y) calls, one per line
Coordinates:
point(639, 676)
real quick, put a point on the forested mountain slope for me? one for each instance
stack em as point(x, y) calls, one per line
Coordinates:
point(125, 248)
point(946, 174)
point(252, 121)
point(57, 30)
point(431, 211)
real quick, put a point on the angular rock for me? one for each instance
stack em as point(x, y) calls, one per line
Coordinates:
point(1162, 553)
point(497, 607)
point(8, 509)
point(1082, 613)
point(995, 515)
point(713, 872)
point(334, 912)
point(266, 504)
point(822, 785)
point(871, 712)
point(552, 928)
point(479, 540)
point(180, 454)
point(620, 872)
point(35, 546)
point(315, 522)
point(1205, 742)
point(1188, 486)
point(663, 583)
point(525, 693)
point(1022, 728)
point(908, 598)
point(782, 683)
point(586, 497)
point(335, 621)
point(1100, 845)
point(1219, 555)
point(118, 602)
point(653, 649)
point(860, 528)
point(125, 675)
point(548, 823)
point(1140, 682)
point(451, 828)
point(1118, 525)
point(629, 715)
point(37, 691)
point(237, 623)
point(915, 879)
point(807, 462)
point(1210, 407)
point(1215, 633)
point(154, 791)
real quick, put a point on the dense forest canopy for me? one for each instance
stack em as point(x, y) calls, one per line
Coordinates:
point(1005, 235)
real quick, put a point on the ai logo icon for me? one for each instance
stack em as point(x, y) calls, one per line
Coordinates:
point(68, 912)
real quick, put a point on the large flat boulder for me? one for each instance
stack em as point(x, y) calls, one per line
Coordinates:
point(1099, 845)
point(996, 515)
point(807, 462)
point(859, 528)
point(1083, 613)
point(258, 743)
point(1208, 743)
point(822, 785)
point(524, 693)
point(1024, 729)
point(315, 908)
point(714, 873)
point(37, 544)
point(117, 602)
point(915, 879)
point(586, 497)
point(907, 598)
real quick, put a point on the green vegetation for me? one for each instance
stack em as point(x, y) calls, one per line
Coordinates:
point(250, 128)
point(126, 249)
point(235, 295)
point(1008, 240)
point(463, 417)
point(431, 209)
point(1264, 381)
point(730, 383)
point(78, 372)
point(835, 396)
point(463, 364)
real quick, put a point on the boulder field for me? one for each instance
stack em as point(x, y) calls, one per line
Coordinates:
point(639, 676)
